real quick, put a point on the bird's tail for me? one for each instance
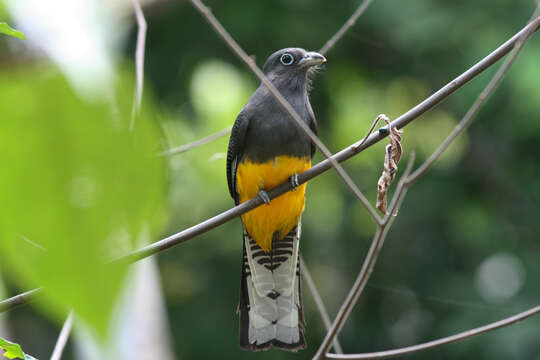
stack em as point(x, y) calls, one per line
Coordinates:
point(270, 306)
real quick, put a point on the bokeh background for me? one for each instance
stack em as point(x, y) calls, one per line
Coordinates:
point(464, 250)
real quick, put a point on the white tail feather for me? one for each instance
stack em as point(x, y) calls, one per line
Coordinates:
point(273, 291)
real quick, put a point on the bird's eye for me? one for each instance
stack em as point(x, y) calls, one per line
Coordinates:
point(286, 59)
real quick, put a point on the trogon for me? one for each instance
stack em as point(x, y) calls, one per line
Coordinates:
point(267, 148)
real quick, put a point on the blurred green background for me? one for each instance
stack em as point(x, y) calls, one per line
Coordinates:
point(464, 250)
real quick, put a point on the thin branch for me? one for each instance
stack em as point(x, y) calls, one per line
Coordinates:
point(439, 342)
point(195, 144)
point(220, 30)
point(18, 300)
point(404, 183)
point(458, 82)
point(367, 266)
point(373, 124)
point(139, 61)
point(63, 338)
point(322, 166)
point(318, 302)
point(346, 27)
point(473, 111)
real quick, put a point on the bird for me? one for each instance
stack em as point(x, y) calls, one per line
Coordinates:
point(267, 148)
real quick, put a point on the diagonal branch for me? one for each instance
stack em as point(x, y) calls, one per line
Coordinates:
point(469, 116)
point(227, 38)
point(346, 27)
point(319, 302)
point(18, 300)
point(317, 169)
point(195, 144)
point(139, 61)
point(367, 266)
point(404, 183)
point(439, 342)
point(62, 338)
point(452, 86)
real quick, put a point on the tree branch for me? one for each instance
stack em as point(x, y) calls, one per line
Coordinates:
point(439, 342)
point(346, 27)
point(195, 144)
point(139, 61)
point(469, 116)
point(62, 338)
point(367, 266)
point(18, 300)
point(404, 183)
point(318, 302)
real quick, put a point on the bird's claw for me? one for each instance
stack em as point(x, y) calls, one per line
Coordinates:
point(294, 181)
point(264, 197)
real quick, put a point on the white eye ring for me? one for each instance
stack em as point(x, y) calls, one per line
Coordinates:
point(286, 59)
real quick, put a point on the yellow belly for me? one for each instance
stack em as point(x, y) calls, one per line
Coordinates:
point(283, 212)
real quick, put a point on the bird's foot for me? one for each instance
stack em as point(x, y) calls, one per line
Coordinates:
point(294, 181)
point(264, 197)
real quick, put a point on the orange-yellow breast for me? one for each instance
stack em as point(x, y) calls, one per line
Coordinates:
point(283, 212)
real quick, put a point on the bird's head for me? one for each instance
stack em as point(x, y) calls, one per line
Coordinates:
point(291, 66)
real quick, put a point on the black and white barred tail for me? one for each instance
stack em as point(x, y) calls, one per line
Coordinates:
point(270, 308)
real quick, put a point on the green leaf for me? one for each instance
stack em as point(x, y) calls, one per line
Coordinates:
point(13, 351)
point(5, 29)
point(77, 189)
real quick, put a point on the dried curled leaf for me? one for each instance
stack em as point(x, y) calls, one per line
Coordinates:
point(394, 150)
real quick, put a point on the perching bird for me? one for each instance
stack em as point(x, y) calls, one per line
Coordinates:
point(266, 148)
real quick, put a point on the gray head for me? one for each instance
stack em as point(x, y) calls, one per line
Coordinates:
point(290, 67)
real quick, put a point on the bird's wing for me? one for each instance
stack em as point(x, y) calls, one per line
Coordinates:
point(235, 150)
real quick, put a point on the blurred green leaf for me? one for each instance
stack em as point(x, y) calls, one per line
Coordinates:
point(77, 188)
point(5, 29)
point(13, 351)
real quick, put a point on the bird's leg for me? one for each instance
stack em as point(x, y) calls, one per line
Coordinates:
point(294, 181)
point(264, 196)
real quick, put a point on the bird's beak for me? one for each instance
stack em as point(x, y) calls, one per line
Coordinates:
point(311, 59)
